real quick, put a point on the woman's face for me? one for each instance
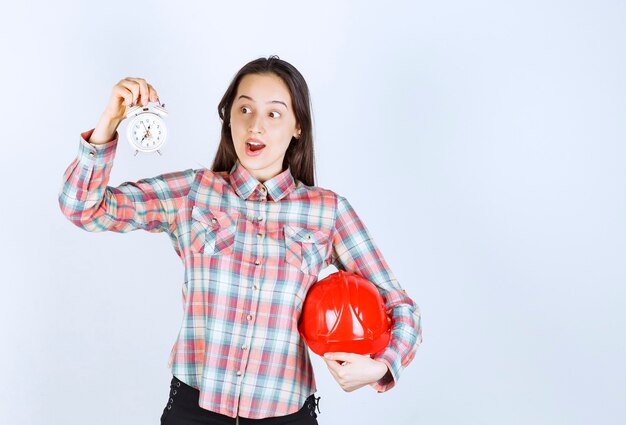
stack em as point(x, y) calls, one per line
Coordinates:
point(262, 124)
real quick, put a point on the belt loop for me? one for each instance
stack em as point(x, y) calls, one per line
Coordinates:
point(316, 400)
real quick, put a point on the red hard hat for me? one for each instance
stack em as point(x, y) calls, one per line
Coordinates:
point(344, 312)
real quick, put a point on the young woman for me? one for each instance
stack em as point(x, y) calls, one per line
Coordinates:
point(253, 234)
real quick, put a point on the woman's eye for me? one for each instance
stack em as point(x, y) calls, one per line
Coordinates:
point(246, 110)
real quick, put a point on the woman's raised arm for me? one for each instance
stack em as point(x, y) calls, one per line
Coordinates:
point(85, 197)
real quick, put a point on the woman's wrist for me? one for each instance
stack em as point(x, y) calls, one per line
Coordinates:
point(387, 377)
point(105, 130)
point(385, 372)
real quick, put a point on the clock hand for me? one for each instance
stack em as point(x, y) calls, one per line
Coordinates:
point(147, 131)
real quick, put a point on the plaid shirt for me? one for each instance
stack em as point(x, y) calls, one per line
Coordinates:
point(250, 251)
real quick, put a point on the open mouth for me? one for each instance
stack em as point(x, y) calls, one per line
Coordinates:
point(254, 147)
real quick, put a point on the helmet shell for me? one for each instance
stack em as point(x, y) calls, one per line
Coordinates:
point(345, 312)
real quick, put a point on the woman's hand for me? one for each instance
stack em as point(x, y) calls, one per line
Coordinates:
point(353, 371)
point(129, 92)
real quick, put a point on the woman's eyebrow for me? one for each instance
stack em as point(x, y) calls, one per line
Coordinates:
point(271, 101)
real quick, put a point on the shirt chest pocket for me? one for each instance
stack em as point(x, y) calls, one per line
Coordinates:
point(305, 248)
point(212, 231)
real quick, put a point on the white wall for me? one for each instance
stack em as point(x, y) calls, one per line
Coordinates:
point(481, 142)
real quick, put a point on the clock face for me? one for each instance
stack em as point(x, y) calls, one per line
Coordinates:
point(147, 132)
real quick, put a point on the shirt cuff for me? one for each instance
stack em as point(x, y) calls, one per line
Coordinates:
point(90, 154)
point(390, 358)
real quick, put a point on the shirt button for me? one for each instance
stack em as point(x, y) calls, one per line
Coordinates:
point(263, 189)
point(91, 154)
point(249, 317)
point(259, 218)
point(214, 220)
point(238, 373)
point(259, 235)
point(257, 262)
point(244, 347)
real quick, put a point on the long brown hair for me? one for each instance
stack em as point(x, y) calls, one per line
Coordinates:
point(299, 155)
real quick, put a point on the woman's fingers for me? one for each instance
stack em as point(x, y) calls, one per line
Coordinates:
point(129, 92)
point(124, 91)
point(334, 367)
point(140, 91)
point(153, 96)
point(332, 372)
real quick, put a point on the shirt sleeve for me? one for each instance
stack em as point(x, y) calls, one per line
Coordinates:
point(149, 204)
point(354, 250)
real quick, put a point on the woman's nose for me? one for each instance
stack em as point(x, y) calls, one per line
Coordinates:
point(256, 126)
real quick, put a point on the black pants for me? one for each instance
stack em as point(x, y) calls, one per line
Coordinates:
point(183, 409)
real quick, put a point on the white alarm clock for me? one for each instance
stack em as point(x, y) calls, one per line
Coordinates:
point(146, 130)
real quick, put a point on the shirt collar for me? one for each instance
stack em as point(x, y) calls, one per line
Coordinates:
point(248, 187)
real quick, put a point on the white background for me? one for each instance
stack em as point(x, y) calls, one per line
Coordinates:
point(481, 142)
